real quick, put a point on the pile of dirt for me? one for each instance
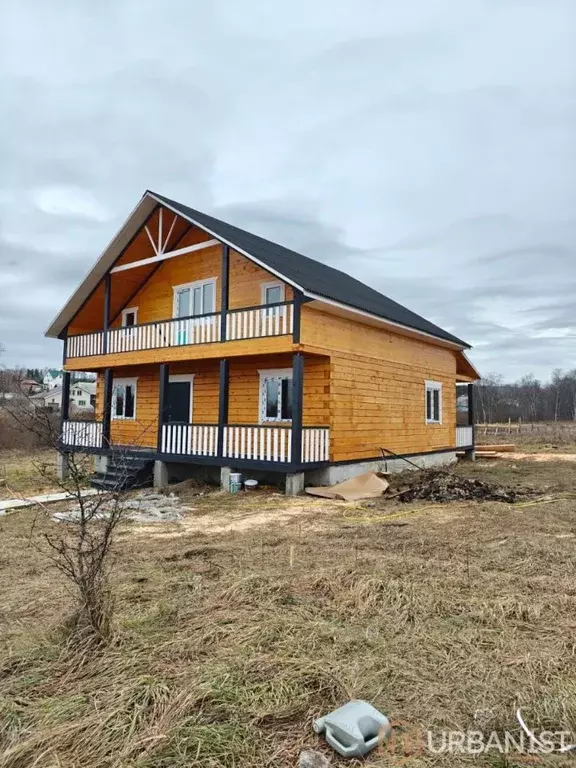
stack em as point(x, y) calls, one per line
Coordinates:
point(445, 486)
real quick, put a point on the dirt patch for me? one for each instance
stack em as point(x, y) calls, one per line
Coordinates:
point(446, 486)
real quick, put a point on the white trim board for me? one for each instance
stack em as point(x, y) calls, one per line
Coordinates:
point(164, 256)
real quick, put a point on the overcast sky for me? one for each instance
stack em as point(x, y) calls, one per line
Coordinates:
point(427, 147)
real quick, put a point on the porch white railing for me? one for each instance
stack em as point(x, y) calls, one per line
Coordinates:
point(190, 439)
point(82, 434)
point(258, 443)
point(315, 444)
point(269, 443)
point(464, 437)
point(276, 320)
point(86, 345)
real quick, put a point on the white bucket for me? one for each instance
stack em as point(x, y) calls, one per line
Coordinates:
point(235, 477)
point(250, 485)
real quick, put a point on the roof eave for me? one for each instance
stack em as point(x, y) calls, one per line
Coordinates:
point(454, 344)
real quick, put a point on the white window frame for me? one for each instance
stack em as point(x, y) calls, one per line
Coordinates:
point(173, 378)
point(272, 373)
point(273, 284)
point(125, 312)
point(433, 386)
point(119, 383)
point(191, 286)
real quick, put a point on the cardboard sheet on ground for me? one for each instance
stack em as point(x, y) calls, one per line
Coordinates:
point(366, 486)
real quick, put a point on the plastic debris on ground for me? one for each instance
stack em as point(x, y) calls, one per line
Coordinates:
point(354, 729)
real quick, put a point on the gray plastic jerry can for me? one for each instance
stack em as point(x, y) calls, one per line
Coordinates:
point(354, 729)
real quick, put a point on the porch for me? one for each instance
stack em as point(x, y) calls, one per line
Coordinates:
point(261, 411)
point(187, 442)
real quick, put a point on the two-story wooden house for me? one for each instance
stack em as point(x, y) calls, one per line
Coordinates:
point(215, 347)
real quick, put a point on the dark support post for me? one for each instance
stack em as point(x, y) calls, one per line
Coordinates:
point(224, 298)
point(162, 401)
point(297, 402)
point(471, 415)
point(106, 319)
point(223, 403)
point(298, 301)
point(65, 407)
point(107, 406)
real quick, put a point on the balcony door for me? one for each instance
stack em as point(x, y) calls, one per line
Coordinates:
point(190, 301)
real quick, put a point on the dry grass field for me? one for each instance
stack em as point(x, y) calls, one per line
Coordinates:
point(543, 436)
point(237, 626)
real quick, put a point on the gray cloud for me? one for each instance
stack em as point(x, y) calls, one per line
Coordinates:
point(426, 148)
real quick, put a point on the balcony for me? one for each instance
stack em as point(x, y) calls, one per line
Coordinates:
point(246, 323)
point(268, 444)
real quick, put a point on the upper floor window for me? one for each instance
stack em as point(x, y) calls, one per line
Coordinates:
point(272, 293)
point(433, 402)
point(197, 298)
point(129, 316)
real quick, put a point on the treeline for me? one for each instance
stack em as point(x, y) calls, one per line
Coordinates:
point(528, 398)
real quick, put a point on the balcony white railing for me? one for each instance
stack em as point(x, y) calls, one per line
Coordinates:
point(85, 345)
point(464, 437)
point(82, 434)
point(251, 323)
point(190, 439)
point(169, 333)
point(256, 322)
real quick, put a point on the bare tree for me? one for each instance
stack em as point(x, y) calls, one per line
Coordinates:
point(81, 548)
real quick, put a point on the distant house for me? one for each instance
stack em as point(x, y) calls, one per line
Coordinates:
point(53, 378)
point(29, 386)
point(82, 397)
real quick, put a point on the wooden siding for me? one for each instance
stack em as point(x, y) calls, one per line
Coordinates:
point(244, 394)
point(246, 280)
point(377, 388)
point(244, 407)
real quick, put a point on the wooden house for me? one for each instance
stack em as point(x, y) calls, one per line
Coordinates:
point(214, 347)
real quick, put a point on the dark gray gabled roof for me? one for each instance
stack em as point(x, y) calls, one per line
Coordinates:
point(310, 275)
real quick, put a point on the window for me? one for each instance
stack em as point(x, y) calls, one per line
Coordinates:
point(81, 402)
point(129, 317)
point(195, 298)
point(433, 402)
point(276, 395)
point(272, 293)
point(124, 399)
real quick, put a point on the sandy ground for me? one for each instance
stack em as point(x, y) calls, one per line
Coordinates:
point(516, 456)
point(247, 515)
